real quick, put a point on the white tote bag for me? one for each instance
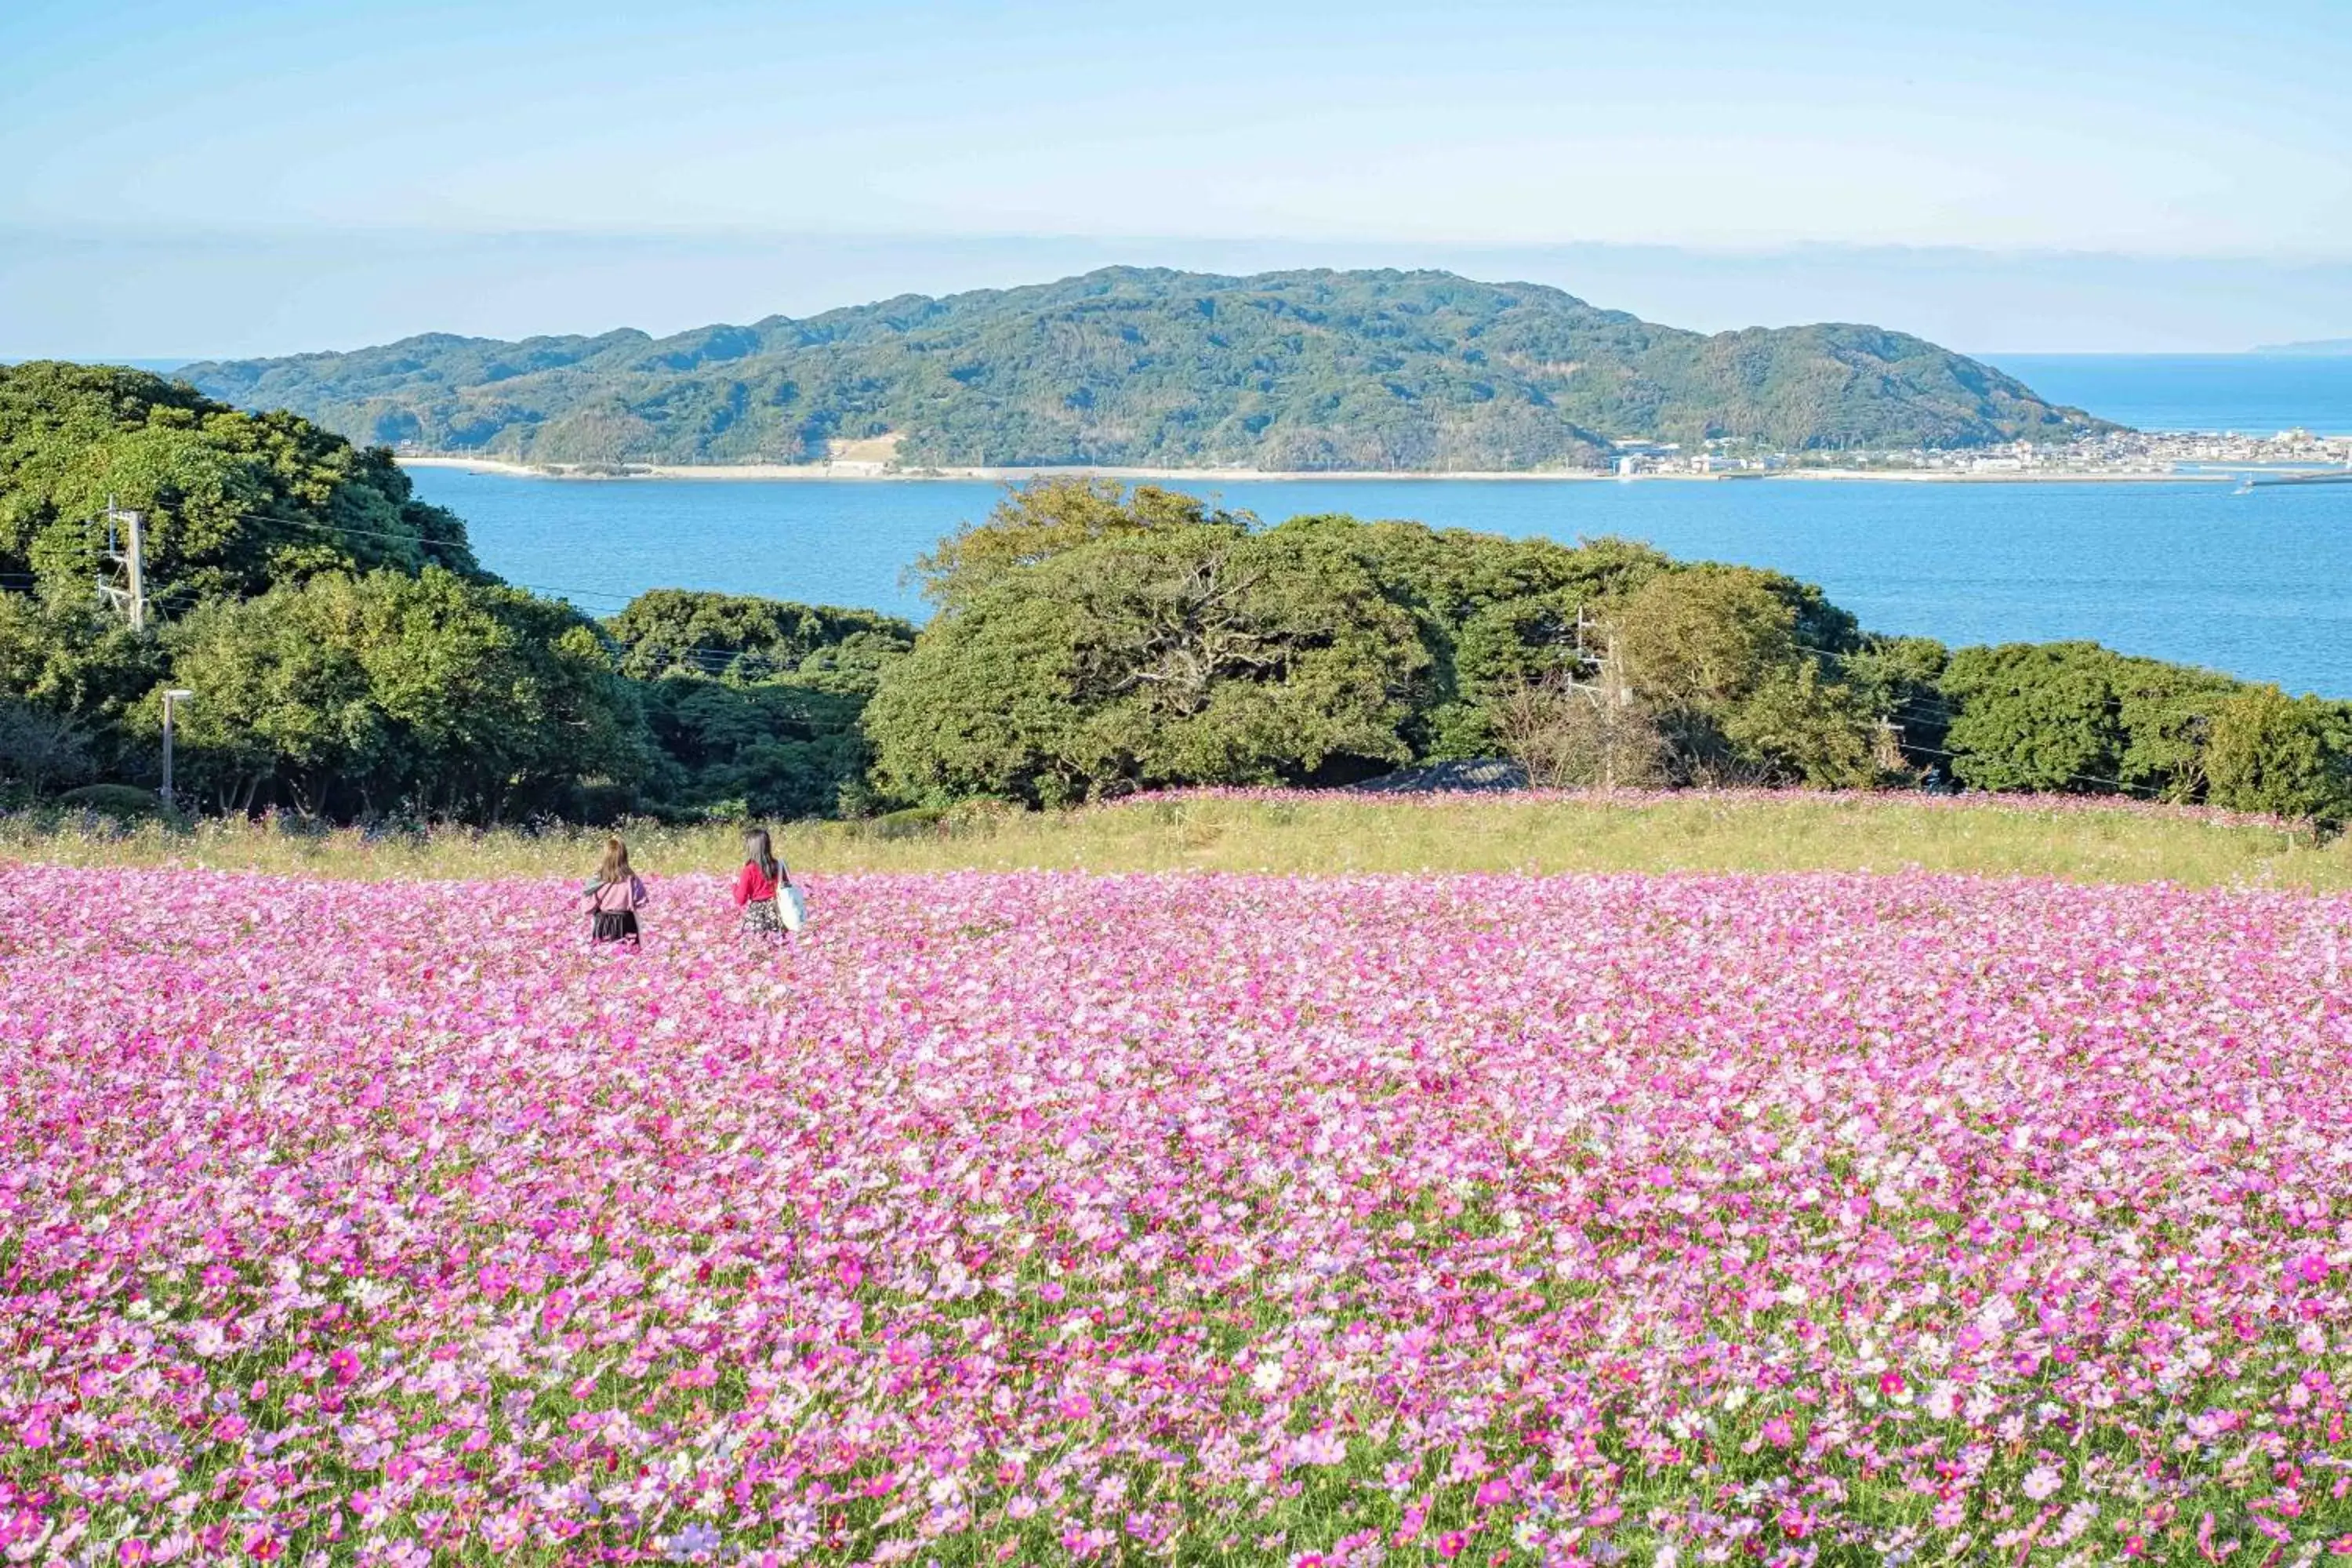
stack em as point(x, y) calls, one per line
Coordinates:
point(791, 908)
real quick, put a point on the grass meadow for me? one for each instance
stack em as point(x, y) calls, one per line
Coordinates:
point(2074, 838)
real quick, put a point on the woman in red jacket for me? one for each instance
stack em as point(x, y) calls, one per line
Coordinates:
point(760, 886)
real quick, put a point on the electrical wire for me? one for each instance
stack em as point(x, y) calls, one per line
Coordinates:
point(1948, 715)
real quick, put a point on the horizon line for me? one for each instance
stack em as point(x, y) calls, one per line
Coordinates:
point(289, 232)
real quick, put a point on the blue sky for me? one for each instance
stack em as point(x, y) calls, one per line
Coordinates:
point(262, 175)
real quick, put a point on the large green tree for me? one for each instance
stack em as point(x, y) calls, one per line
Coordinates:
point(430, 694)
point(2288, 756)
point(755, 703)
point(1191, 655)
point(784, 747)
point(674, 631)
point(2077, 718)
point(59, 654)
point(1049, 517)
point(1740, 668)
point(1493, 614)
point(232, 502)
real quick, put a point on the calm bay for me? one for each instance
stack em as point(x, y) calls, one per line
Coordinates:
point(2253, 584)
point(2250, 583)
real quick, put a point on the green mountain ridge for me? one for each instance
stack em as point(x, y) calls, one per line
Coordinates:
point(1143, 367)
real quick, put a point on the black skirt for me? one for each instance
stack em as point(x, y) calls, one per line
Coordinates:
point(616, 925)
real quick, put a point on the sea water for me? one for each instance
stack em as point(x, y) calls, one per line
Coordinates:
point(2254, 395)
point(2254, 582)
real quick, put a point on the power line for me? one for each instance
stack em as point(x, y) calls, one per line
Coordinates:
point(1949, 715)
point(576, 592)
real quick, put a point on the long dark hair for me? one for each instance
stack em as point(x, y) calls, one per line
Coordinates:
point(756, 850)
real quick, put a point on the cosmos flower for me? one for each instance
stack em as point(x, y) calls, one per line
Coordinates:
point(1006, 1218)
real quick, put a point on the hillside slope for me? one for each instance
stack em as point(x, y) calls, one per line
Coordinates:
point(1315, 370)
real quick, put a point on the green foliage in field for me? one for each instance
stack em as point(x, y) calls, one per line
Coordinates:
point(2292, 757)
point(349, 657)
point(1315, 370)
point(1202, 654)
point(355, 696)
point(674, 631)
point(755, 703)
point(1094, 643)
point(1730, 660)
point(1491, 614)
point(1050, 517)
point(71, 677)
point(2076, 717)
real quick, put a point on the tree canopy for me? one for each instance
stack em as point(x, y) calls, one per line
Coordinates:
point(2076, 717)
point(756, 704)
point(350, 657)
point(671, 631)
point(233, 502)
point(1096, 641)
point(1199, 655)
point(427, 693)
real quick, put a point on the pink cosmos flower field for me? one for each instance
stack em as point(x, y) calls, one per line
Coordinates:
point(1041, 1218)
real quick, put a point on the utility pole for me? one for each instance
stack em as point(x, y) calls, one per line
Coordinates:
point(1601, 673)
point(126, 547)
point(1888, 748)
point(1600, 677)
point(171, 699)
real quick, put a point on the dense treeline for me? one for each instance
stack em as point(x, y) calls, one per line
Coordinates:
point(1093, 641)
point(351, 659)
point(755, 705)
point(1315, 370)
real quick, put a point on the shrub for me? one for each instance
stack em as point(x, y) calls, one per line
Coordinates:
point(126, 803)
point(1569, 737)
point(2287, 756)
point(2078, 718)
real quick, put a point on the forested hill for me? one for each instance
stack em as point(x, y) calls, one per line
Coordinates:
point(1315, 370)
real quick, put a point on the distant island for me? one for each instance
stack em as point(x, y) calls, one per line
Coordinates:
point(1310, 370)
point(2318, 348)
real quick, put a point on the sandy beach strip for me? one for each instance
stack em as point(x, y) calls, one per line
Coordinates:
point(881, 473)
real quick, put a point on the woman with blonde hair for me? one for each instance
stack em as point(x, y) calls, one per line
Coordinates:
point(614, 899)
